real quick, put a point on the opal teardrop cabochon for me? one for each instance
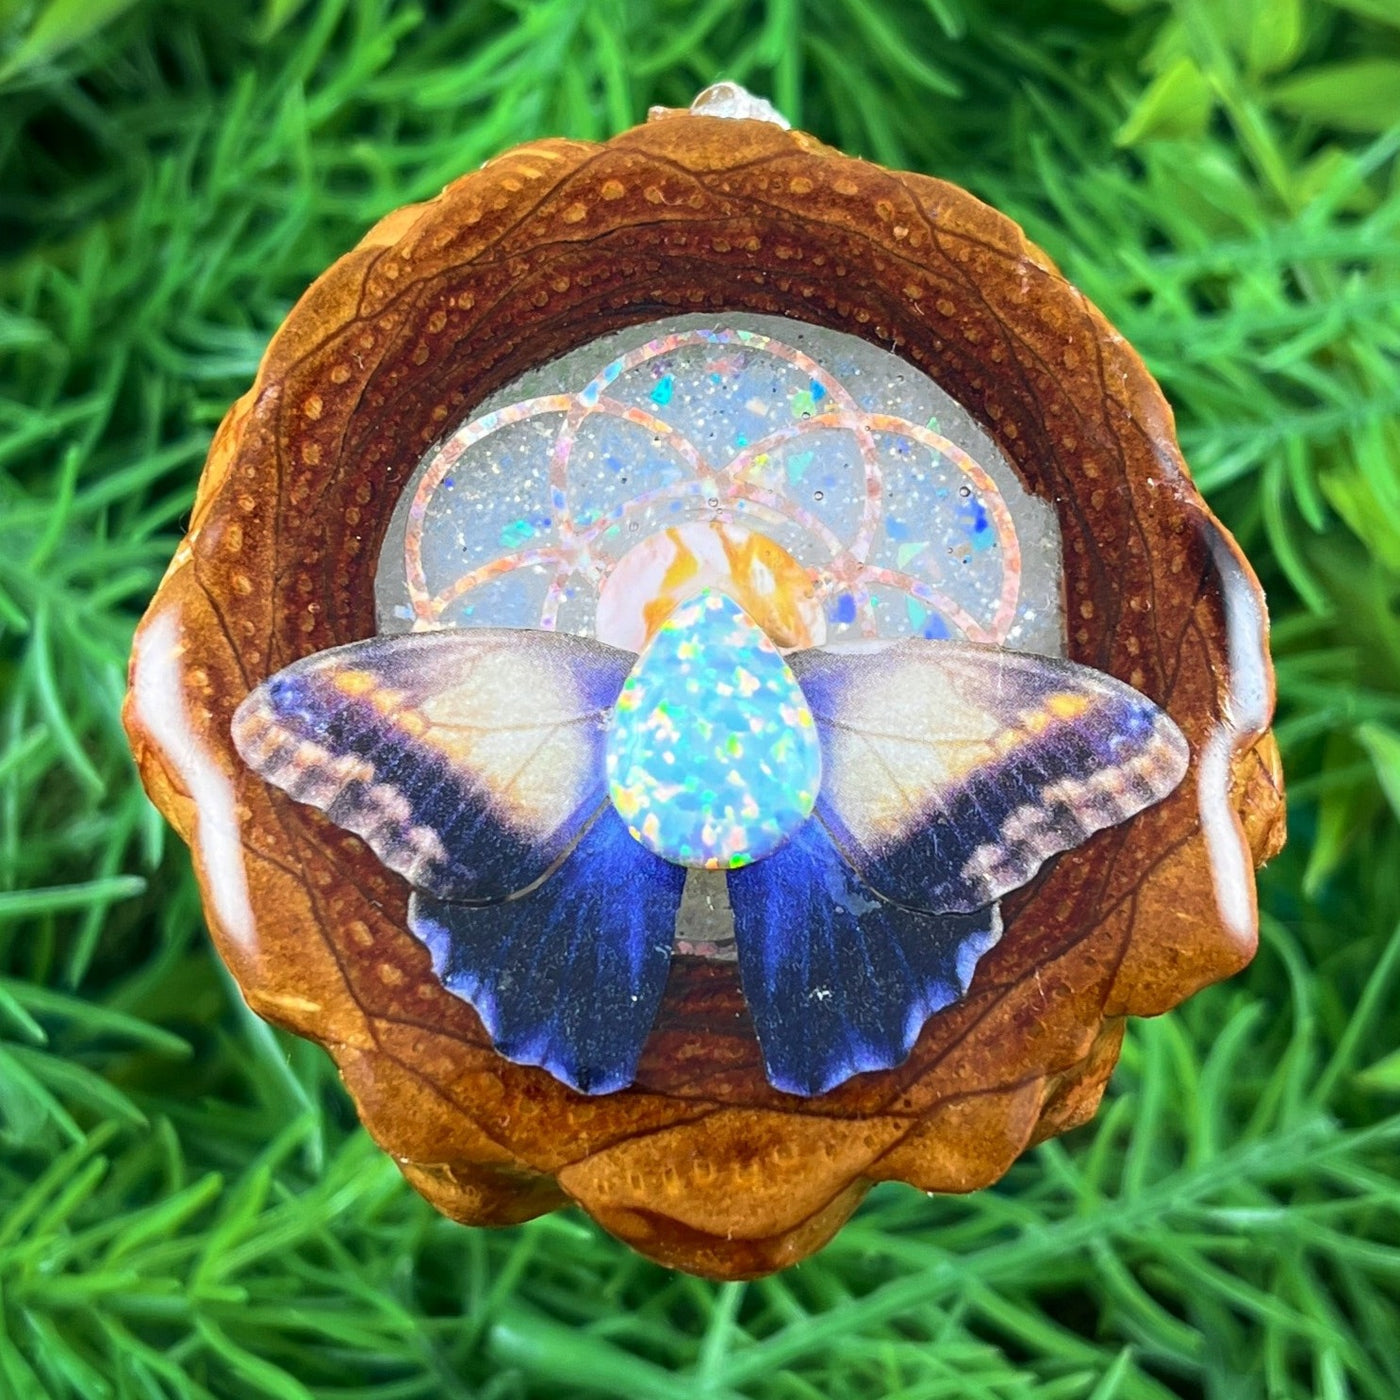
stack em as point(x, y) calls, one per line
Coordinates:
point(712, 756)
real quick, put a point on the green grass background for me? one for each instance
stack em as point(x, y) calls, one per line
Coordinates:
point(186, 1205)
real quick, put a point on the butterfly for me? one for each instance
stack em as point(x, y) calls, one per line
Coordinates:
point(543, 795)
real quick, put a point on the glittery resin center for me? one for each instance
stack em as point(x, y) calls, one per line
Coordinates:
point(712, 754)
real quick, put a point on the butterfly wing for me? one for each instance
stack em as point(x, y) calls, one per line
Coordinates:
point(952, 772)
point(568, 976)
point(469, 760)
point(838, 980)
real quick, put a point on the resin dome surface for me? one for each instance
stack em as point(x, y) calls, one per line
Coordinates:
point(567, 497)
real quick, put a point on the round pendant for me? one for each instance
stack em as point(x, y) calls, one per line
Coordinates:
point(724, 694)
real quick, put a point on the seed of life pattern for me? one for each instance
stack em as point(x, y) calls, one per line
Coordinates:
point(525, 514)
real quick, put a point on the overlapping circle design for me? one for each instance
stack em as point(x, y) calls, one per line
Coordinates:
point(726, 491)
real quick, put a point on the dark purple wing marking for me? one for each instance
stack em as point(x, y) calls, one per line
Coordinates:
point(469, 760)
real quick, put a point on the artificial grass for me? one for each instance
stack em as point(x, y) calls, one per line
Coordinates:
point(188, 1208)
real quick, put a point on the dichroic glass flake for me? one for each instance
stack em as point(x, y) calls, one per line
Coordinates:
point(712, 756)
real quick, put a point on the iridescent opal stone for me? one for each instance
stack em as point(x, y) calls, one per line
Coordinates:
point(712, 754)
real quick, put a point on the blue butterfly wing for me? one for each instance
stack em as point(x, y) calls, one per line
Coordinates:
point(951, 772)
point(838, 980)
point(568, 976)
point(472, 762)
point(469, 760)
